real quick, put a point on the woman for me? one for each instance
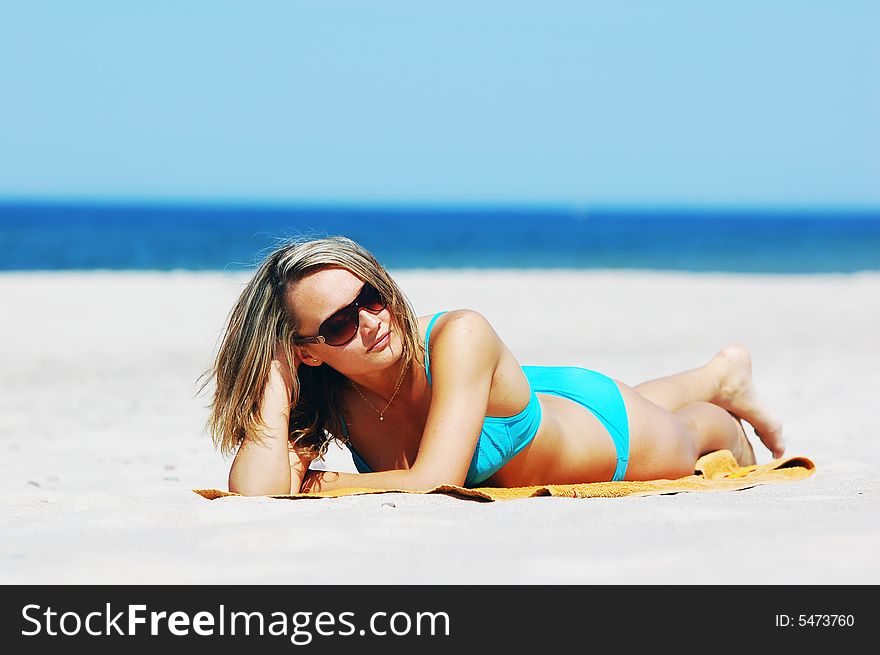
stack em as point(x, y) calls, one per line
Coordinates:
point(323, 345)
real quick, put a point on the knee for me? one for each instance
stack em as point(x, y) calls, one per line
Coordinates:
point(686, 446)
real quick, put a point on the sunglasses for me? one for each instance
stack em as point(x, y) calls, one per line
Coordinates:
point(343, 325)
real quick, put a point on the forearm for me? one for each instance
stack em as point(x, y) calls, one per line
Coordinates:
point(404, 479)
point(262, 464)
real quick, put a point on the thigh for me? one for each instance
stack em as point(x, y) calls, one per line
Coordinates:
point(661, 443)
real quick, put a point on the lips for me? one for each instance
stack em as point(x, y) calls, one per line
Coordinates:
point(380, 343)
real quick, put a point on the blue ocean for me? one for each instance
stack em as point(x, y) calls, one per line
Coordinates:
point(224, 237)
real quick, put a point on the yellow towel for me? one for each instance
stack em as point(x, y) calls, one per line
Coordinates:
point(716, 471)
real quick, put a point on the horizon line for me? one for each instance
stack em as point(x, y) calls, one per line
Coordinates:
point(576, 207)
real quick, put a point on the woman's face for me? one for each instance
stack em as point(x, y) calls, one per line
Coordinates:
point(319, 295)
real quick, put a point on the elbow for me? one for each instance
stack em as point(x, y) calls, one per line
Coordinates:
point(250, 477)
point(422, 480)
point(257, 490)
point(255, 487)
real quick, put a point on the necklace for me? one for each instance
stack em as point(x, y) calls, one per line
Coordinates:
point(396, 389)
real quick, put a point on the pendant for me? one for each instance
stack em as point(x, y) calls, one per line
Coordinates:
point(381, 418)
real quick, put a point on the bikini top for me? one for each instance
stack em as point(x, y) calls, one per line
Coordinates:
point(501, 437)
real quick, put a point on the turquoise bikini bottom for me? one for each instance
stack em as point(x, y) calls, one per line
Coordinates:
point(598, 393)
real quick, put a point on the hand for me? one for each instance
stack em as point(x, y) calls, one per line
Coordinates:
point(279, 364)
point(279, 387)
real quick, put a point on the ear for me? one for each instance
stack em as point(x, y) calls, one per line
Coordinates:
point(307, 358)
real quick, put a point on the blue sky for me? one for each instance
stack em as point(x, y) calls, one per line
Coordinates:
point(573, 103)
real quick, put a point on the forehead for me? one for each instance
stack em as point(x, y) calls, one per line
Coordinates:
point(318, 295)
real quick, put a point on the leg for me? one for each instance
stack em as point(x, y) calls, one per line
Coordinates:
point(725, 381)
point(675, 391)
point(666, 444)
point(717, 429)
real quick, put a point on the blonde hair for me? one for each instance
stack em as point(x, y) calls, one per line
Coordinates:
point(261, 316)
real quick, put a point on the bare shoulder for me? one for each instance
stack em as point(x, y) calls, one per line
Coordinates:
point(467, 320)
point(461, 330)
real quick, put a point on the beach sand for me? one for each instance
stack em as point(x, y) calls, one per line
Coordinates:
point(102, 439)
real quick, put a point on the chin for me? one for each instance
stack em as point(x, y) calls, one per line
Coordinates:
point(395, 347)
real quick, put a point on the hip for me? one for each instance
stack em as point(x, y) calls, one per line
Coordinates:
point(583, 435)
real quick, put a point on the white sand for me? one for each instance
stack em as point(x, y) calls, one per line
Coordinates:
point(101, 439)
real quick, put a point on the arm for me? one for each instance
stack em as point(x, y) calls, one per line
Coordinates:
point(465, 351)
point(316, 481)
point(265, 466)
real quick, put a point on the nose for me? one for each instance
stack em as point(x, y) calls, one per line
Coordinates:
point(369, 320)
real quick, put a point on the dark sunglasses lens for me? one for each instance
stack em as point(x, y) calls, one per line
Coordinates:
point(370, 299)
point(341, 327)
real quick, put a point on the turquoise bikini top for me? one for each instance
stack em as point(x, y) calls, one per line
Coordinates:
point(501, 438)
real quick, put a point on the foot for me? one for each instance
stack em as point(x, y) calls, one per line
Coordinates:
point(744, 453)
point(737, 394)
